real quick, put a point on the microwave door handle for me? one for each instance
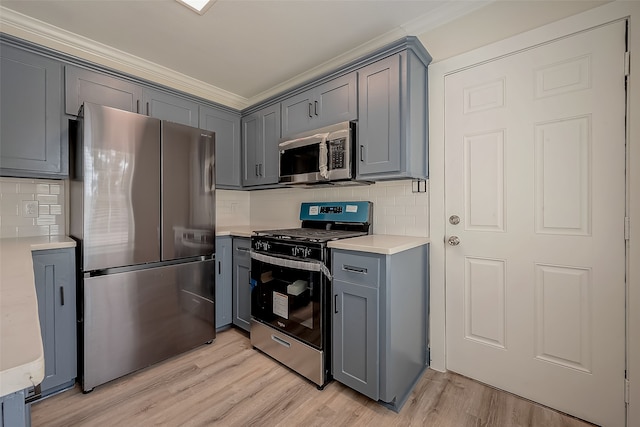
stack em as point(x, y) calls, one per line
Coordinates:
point(323, 158)
point(302, 142)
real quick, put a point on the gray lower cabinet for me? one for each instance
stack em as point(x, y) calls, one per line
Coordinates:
point(83, 85)
point(227, 128)
point(260, 137)
point(13, 411)
point(326, 104)
point(32, 131)
point(241, 282)
point(380, 322)
point(165, 106)
point(392, 120)
point(224, 282)
point(55, 281)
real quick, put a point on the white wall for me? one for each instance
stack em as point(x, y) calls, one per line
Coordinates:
point(498, 21)
point(396, 209)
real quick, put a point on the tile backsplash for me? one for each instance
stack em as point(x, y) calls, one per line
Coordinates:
point(396, 209)
point(31, 207)
point(36, 207)
point(232, 207)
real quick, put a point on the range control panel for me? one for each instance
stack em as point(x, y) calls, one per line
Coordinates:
point(358, 212)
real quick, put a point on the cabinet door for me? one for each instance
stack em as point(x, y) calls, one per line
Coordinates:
point(356, 337)
point(336, 101)
point(270, 135)
point(13, 410)
point(297, 113)
point(32, 128)
point(224, 284)
point(54, 272)
point(379, 117)
point(227, 128)
point(241, 286)
point(165, 106)
point(251, 149)
point(89, 86)
point(260, 137)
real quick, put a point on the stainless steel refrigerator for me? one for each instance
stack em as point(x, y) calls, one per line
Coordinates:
point(142, 209)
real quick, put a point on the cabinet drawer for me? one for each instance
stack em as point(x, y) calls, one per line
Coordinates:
point(356, 268)
point(242, 250)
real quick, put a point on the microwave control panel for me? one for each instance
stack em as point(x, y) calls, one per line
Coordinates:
point(337, 153)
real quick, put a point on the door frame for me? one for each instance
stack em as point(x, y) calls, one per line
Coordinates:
point(437, 73)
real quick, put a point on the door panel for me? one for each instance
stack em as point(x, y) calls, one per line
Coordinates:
point(188, 189)
point(535, 169)
point(121, 188)
point(135, 319)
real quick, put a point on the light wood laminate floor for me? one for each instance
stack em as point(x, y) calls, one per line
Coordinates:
point(229, 383)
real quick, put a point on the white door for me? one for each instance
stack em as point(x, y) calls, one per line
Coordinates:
point(535, 171)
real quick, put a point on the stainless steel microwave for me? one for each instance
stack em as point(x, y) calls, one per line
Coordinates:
point(320, 156)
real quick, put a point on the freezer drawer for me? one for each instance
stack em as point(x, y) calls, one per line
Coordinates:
point(138, 318)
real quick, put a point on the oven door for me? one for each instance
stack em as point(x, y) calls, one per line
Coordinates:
point(289, 295)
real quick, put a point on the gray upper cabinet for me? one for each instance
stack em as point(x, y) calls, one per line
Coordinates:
point(260, 137)
point(332, 102)
point(82, 85)
point(227, 128)
point(165, 106)
point(32, 132)
point(392, 121)
point(54, 272)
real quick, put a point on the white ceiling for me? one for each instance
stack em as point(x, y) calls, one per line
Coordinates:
point(245, 47)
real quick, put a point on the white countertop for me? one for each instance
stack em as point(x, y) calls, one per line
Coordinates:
point(379, 243)
point(234, 230)
point(21, 354)
point(375, 243)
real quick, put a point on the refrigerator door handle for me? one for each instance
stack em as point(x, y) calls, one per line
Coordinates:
point(211, 183)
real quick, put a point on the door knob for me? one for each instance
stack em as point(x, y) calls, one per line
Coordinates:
point(454, 241)
point(454, 219)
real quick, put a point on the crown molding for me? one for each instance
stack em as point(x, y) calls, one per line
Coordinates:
point(40, 32)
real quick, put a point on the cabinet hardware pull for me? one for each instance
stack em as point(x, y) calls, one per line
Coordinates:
point(137, 106)
point(211, 183)
point(243, 249)
point(335, 303)
point(259, 169)
point(354, 269)
point(256, 171)
point(310, 115)
point(219, 268)
point(315, 107)
point(61, 295)
point(362, 153)
point(280, 341)
point(148, 112)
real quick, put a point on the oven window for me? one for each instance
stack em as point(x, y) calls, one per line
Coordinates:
point(288, 299)
point(300, 160)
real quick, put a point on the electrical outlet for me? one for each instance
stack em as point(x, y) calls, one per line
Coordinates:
point(30, 208)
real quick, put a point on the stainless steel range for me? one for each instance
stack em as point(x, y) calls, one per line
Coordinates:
point(291, 285)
